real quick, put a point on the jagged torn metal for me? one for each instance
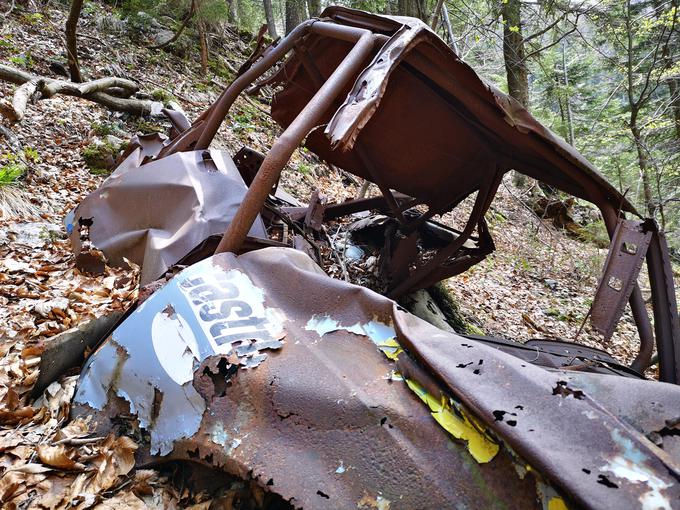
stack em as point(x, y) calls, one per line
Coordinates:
point(204, 311)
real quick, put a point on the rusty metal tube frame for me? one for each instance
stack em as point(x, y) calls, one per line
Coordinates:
point(213, 120)
point(219, 111)
point(286, 144)
point(666, 322)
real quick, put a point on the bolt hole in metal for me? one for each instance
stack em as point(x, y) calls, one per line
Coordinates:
point(615, 283)
point(630, 248)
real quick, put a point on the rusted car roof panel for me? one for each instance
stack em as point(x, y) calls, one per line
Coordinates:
point(438, 105)
point(324, 421)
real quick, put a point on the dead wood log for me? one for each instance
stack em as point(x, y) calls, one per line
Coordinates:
point(23, 94)
point(95, 90)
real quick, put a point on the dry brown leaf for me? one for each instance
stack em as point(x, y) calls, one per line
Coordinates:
point(31, 468)
point(200, 506)
point(14, 417)
point(56, 456)
point(122, 501)
point(75, 428)
point(117, 458)
point(9, 439)
point(9, 484)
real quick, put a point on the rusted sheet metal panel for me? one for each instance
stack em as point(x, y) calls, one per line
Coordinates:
point(319, 417)
point(561, 423)
point(155, 213)
point(621, 269)
point(420, 93)
point(324, 422)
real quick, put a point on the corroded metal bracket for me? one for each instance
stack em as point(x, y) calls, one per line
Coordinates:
point(621, 269)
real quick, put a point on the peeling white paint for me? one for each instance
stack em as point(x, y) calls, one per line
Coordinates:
point(377, 331)
point(631, 465)
point(218, 435)
point(175, 345)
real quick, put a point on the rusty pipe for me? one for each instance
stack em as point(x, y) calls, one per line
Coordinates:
point(221, 107)
point(285, 145)
point(636, 302)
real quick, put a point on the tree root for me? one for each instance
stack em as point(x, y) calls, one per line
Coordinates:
point(100, 91)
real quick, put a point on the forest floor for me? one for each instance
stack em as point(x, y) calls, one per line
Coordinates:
point(538, 283)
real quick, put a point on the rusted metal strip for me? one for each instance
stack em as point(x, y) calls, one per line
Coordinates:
point(666, 322)
point(482, 202)
point(626, 254)
point(637, 303)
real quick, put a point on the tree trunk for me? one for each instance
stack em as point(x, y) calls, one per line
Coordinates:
point(271, 22)
point(515, 68)
point(674, 91)
point(449, 29)
point(295, 14)
point(643, 162)
point(673, 87)
point(435, 15)
point(513, 52)
point(72, 42)
point(314, 8)
point(567, 101)
point(412, 8)
point(233, 11)
point(203, 40)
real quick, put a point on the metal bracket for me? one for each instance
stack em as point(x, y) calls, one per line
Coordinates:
point(621, 269)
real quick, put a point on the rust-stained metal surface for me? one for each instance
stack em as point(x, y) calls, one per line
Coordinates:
point(417, 89)
point(264, 367)
point(621, 269)
point(154, 212)
point(386, 99)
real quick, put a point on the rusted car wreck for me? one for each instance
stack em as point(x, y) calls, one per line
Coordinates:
point(329, 395)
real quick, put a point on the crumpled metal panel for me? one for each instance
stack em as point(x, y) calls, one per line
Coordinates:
point(154, 213)
point(323, 420)
point(457, 120)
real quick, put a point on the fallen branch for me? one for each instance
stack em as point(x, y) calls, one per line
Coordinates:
point(99, 91)
point(12, 140)
point(22, 96)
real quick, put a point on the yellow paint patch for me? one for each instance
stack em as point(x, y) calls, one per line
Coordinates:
point(479, 445)
point(557, 503)
point(391, 348)
point(465, 428)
